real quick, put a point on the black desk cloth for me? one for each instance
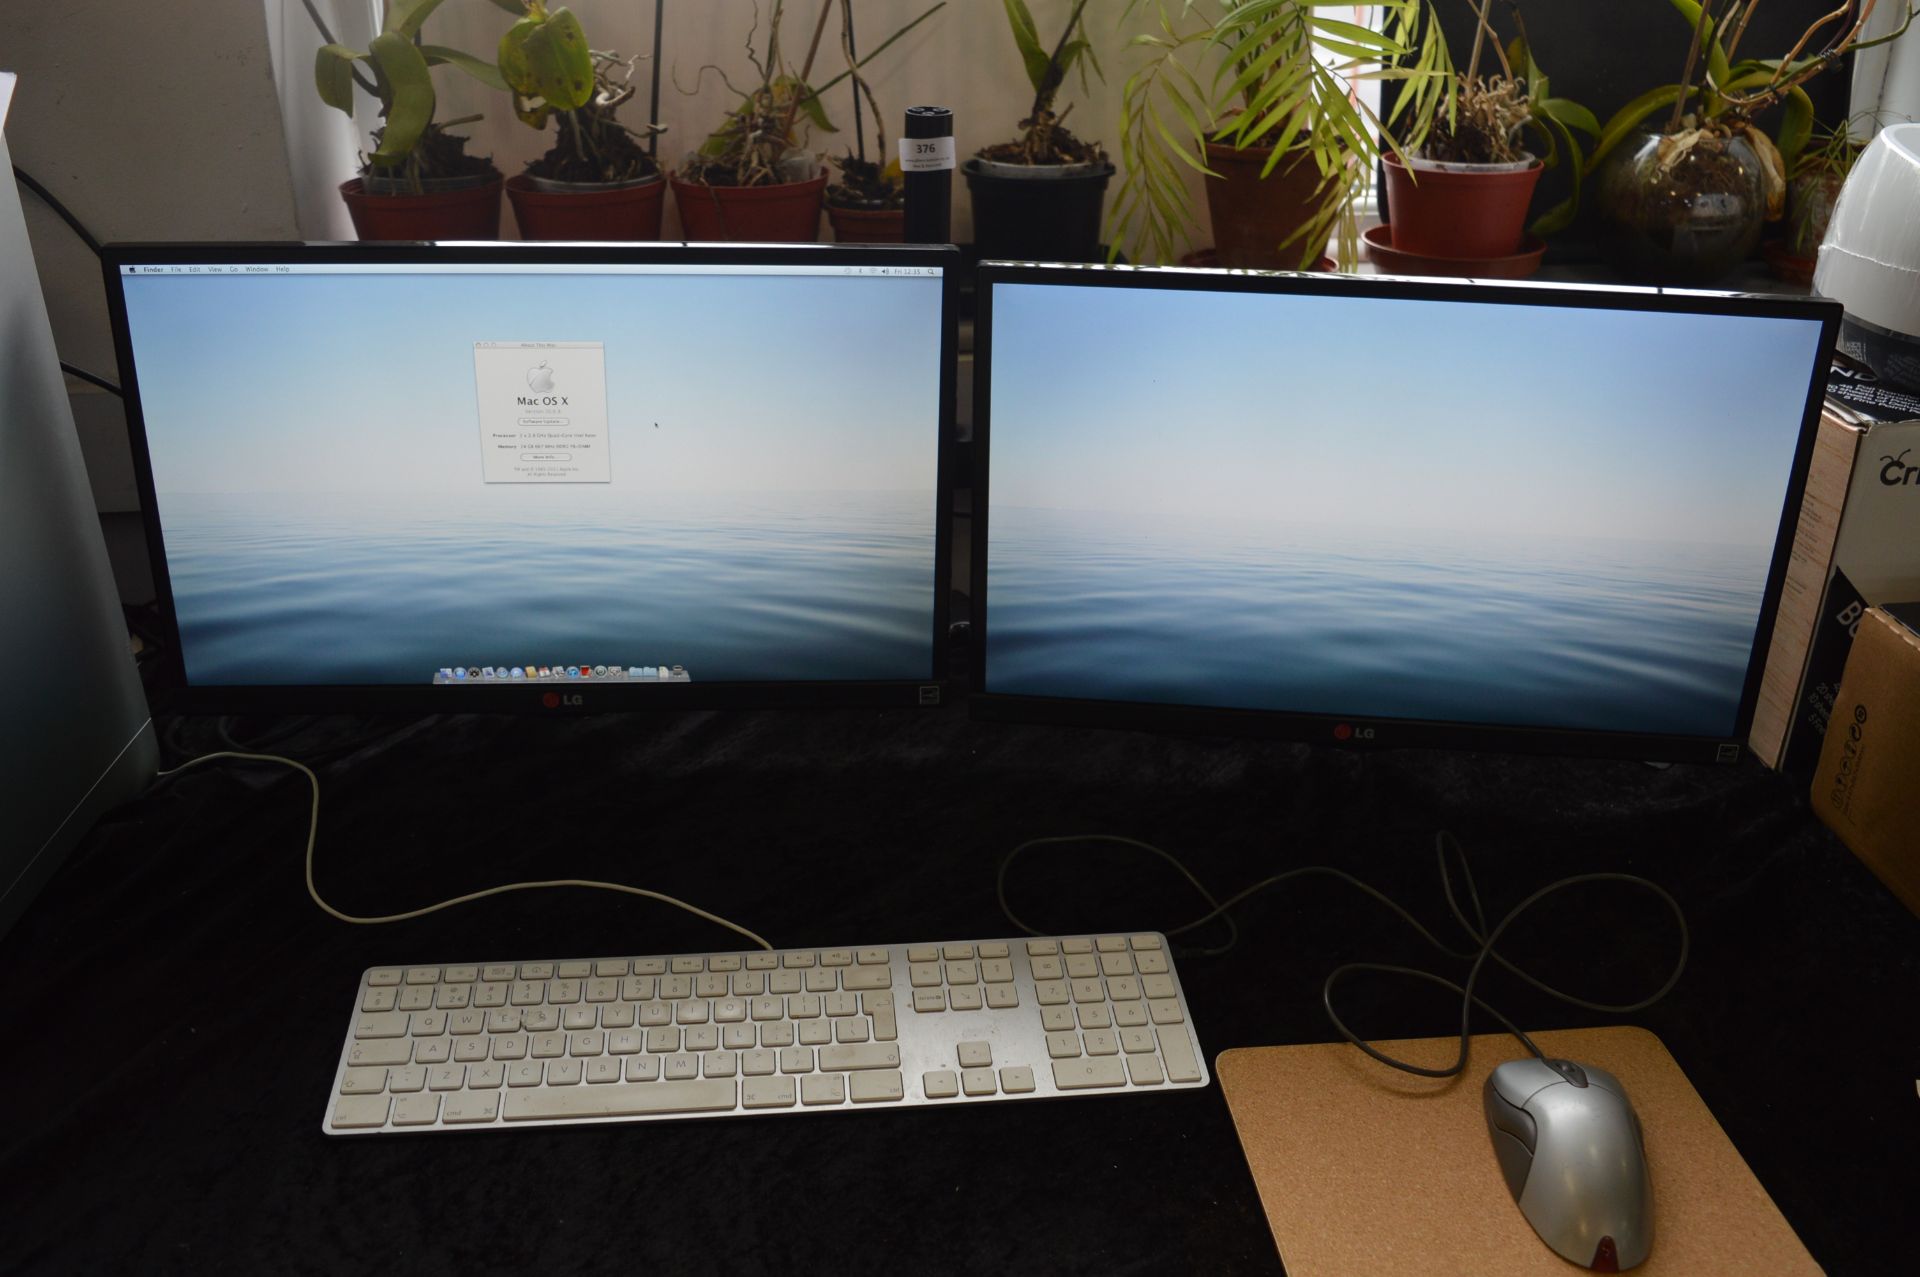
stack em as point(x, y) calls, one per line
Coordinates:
point(173, 1003)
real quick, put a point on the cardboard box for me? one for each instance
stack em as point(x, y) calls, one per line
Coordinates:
point(1867, 787)
point(1857, 544)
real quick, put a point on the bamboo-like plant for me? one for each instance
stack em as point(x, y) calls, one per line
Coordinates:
point(1247, 75)
point(409, 145)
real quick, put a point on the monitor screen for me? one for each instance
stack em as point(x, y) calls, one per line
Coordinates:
point(593, 474)
point(1387, 511)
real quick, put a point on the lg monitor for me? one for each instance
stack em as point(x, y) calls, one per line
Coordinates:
point(530, 476)
point(1386, 511)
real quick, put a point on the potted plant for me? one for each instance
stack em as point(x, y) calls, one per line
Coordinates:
point(596, 182)
point(1684, 204)
point(868, 205)
point(419, 182)
point(1813, 184)
point(1039, 196)
point(753, 178)
point(1241, 98)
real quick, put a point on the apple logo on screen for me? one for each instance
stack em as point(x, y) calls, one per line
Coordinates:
point(540, 377)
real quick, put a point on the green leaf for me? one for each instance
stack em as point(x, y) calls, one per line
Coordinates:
point(1709, 42)
point(333, 75)
point(549, 60)
point(1561, 215)
point(1629, 116)
point(1570, 113)
point(816, 111)
point(410, 107)
point(1028, 38)
point(1796, 126)
point(405, 16)
point(480, 69)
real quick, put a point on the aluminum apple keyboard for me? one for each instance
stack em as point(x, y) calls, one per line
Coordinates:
point(790, 1030)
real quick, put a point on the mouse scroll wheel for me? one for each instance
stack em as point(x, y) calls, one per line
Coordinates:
point(1568, 1070)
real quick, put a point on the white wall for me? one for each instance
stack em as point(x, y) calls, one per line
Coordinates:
point(150, 120)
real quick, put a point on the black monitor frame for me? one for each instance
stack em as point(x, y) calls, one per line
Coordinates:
point(168, 688)
point(1368, 731)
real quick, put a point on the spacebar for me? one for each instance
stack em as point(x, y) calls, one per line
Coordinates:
point(620, 1100)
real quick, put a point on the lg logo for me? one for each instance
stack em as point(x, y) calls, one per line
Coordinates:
point(1347, 731)
point(554, 700)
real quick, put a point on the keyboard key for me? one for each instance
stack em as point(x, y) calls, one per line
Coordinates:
point(762, 961)
point(460, 975)
point(1002, 996)
point(525, 1072)
point(510, 1046)
point(963, 972)
point(737, 1037)
point(779, 1033)
point(643, 1068)
point(1151, 963)
point(974, 1055)
point(1134, 1041)
point(993, 949)
point(650, 966)
point(486, 1077)
point(966, 997)
point(1111, 944)
point(1176, 1048)
point(1049, 969)
point(467, 1050)
point(995, 970)
point(785, 982)
point(610, 967)
point(606, 989)
point(545, 1046)
point(823, 1088)
point(749, 984)
point(686, 966)
point(840, 1002)
point(381, 1052)
point(472, 1107)
point(871, 957)
point(862, 1055)
point(565, 1072)
point(927, 1000)
point(678, 1068)
point(836, 957)
point(428, 1024)
point(575, 1018)
point(379, 999)
point(536, 971)
point(1042, 948)
point(489, 995)
point(616, 1015)
point(357, 1112)
point(977, 1081)
point(423, 975)
point(1089, 991)
point(1017, 1080)
point(663, 1040)
point(796, 1059)
point(1051, 992)
point(574, 970)
point(447, 1077)
point(462, 1023)
point(1144, 1070)
point(859, 978)
point(1081, 966)
point(1080, 945)
point(758, 1063)
point(384, 977)
point(1094, 1015)
point(498, 973)
point(432, 1051)
point(879, 1005)
point(851, 1029)
point(954, 952)
point(625, 1042)
point(701, 1037)
point(1123, 989)
point(923, 953)
point(1115, 964)
point(1089, 1072)
point(1063, 1046)
point(924, 975)
point(1129, 1014)
point(1157, 986)
point(584, 1044)
point(719, 1064)
point(416, 1110)
point(878, 1087)
point(767, 1093)
point(1101, 1042)
point(823, 980)
point(411, 1078)
point(801, 959)
point(1056, 1019)
point(363, 1082)
point(724, 962)
point(816, 1032)
point(1164, 1011)
point(1145, 941)
point(380, 1024)
point(602, 1070)
point(624, 1100)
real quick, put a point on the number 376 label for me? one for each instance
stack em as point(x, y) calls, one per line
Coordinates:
point(925, 154)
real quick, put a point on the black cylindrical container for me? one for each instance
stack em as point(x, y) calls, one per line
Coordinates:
point(928, 165)
point(1037, 213)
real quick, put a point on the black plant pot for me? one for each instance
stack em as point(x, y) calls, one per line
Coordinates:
point(1043, 213)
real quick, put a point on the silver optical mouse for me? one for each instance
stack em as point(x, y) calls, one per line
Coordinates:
point(1570, 1146)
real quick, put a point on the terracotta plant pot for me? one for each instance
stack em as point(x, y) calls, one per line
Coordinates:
point(868, 225)
point(1252, 216)
point(470, 212)
point(1037, 212)
point(588, 212)
point(1477, 211)
point(785, 213)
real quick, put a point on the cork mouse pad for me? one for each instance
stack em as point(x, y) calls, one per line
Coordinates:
point(1364, 1169)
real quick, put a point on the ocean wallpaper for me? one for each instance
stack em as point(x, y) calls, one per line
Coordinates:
point(739, 478)
point(1335, 506)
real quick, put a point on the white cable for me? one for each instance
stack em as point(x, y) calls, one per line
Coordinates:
point(313, 833)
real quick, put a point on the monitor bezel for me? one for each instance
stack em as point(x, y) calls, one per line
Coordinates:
point(1359, 730)
point(169, 691)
